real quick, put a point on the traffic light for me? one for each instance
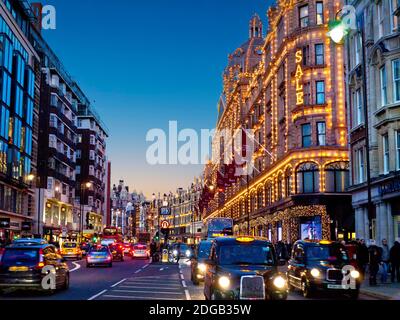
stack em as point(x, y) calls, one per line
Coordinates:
point(157, 236)
point(95, 238)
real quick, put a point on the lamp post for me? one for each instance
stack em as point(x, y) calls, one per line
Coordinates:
point(338, 33)
point(84, 186)
point(31, 177)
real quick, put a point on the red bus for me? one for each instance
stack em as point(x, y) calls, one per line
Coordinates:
point(112, 233)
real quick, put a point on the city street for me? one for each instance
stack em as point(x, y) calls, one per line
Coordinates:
point(130, 280)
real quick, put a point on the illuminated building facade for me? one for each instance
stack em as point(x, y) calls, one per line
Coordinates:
point(381, 81)
point(20, 81)
point(289, 88)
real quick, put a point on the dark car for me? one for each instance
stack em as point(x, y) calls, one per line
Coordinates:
point(85, 248)
point(243, 268)
point(24, 265)
point(117, 251)
point(198, 266)
point(322, 267)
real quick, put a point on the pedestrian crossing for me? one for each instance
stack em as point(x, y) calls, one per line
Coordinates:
point(153, 284)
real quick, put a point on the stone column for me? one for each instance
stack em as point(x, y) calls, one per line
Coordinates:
point(390, 224)
point(360, 223)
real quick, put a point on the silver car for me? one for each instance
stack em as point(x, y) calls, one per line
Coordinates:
point(99, 256)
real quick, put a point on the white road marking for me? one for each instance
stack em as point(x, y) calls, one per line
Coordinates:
point(184, 284)
point(119, 282)
point(161, 269)
point(77, 267)
point(144, 267)
point(143, 286)
point(137, 298)
point(97, 295)
point(142, 291)
point(182, 277)
point(137, 271)
point(188, 297)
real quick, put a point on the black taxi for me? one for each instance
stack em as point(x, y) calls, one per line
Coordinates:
point(322, 266)
point(243, 268)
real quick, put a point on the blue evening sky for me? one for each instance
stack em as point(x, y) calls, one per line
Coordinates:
point(145, 63)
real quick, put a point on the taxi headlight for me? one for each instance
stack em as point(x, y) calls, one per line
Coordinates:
point(187, 253)
point(355, 274)
point(279, 282)
point(202, 267)
point(224, 282)
point(315, 273)
point(175, 252)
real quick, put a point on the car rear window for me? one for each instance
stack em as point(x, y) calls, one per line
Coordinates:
point(24, 257)
point(69, 245)
point(102, 249)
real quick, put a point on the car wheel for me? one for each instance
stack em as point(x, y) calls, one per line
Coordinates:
point(66, 282)
point(110, 265)
point(306, 290)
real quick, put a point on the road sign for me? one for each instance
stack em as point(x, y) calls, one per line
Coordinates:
point(165, 224)
point(165, 211)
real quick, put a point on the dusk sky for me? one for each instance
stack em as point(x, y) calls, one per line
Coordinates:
point(146, 63)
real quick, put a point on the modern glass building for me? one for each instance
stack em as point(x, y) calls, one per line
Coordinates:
point(18, 116)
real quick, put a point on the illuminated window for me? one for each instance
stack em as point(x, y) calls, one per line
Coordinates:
point(288, 182)
point(280, 187)
point(320, 12)
point(386, 154)
point(383, 86)
point(308, 178)
point(303, 15)
point(306, 135)
point(320, 92)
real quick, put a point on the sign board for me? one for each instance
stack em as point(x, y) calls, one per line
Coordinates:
point(165, 224)
point(165, 211)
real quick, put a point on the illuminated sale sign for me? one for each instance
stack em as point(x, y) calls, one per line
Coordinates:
point(298, 77)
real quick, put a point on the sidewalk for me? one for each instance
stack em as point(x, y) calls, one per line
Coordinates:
point(387, 291)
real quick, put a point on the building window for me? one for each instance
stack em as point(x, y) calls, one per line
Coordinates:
point(280, 188)
point(396, 79)
point(308, 178)
point(381, 19)
point(288, 183)
point(319, 54)
point(358, 103)
point(394, 19)
point(386, 154)
point(320, 92)
point(268, 194)
point(303, 14)
point(307, 94)
point(383, 86)
point(306, 55)
point(306, 135)
point(357, 49)
point(92, 140)
point(398, 150)
point(260, 198)
point(360, 165)
point(321, 133)
point(320, 12)
point(337, 177)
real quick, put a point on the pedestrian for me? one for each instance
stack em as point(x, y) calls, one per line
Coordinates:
point(385, 255)
point(374, 263)
point(394, 257)
point(362, 256)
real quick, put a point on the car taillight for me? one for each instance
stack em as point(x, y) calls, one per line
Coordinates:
point(40, 265)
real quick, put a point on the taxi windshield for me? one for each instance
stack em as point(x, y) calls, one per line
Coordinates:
point(241, 254)
point(69, 245)
point(327, 253)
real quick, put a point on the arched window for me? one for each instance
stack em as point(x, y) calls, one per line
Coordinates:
point(241, 208)
point(280, 187)
point(268, 194)
point(288, 182)
point(308, 178)
point(252, 202)
point(337, 177)
point(259, 198)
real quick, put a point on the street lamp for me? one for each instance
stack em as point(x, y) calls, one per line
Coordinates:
point(84, 186)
